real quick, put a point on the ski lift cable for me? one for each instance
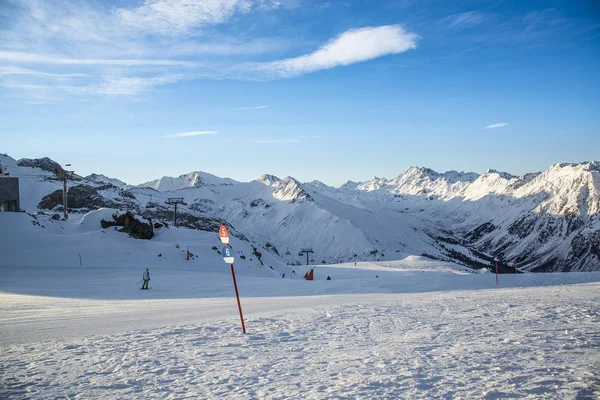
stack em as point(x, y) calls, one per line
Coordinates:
point(269, 239)
point(324, 251)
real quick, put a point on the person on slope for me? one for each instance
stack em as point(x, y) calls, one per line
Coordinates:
point(146, 278)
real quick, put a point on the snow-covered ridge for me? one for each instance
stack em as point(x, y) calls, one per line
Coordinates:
point(291, 190)
point(99, 178)
point(269, 180)
point(547, 221)
point(193, 179)
point(417, 181)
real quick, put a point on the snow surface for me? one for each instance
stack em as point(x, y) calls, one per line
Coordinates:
point(411, 328)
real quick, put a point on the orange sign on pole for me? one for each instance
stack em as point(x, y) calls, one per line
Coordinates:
point(224, 234)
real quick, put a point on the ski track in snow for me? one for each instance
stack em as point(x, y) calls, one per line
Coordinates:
point(538, 342)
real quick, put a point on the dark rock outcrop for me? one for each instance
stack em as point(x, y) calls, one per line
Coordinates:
point(84, 197)
point(130, 224)
point(45, 164)
point(184, 219)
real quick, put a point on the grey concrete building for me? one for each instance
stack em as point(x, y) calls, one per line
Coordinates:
point(9, 194)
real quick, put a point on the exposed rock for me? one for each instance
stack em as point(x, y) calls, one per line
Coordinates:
point(83, 197)
point(51, 200)
point(480, 231)
point(585, 251)
point(257, 202)
point(55, 217)
point(184, 219)
point(202, 205)
point(136, 228)
point(45, 164)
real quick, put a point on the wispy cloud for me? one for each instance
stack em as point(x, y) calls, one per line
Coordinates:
point(110, 87)
point(90, 50)
point(353, 46)
point(13, 70)
point(464, 20)
point(189, 134)
point(250, 108)
point(37, 58)
point(275, 141)
point(497, 125)
point(179, 16)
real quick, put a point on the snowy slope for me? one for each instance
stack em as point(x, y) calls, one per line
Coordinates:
point(542, 221)
point(73, 323)
point(422, 329)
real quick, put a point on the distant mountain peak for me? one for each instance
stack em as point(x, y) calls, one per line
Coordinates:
point(269, 180)
point(586, 165)
point(291, 190)
point(350, 185)
point(99, 178)
point(194, 179)
point(504, 175)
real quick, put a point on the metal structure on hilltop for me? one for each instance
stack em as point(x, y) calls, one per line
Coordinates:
point(174, 201)
point(308, 252)
point(65, 176)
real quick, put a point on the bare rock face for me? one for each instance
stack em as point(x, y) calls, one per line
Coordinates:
point(85, 197)
point(45, 164)
point(137, 229)
point(51, 200)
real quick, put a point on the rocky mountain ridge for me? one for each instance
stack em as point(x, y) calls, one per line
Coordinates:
point(548, 221)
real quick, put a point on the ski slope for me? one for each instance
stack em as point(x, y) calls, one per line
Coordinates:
point(412, 328)
point(526, 342)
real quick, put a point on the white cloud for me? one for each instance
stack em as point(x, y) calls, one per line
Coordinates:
point(463, 20)
point(35, 58)
point(250, 108)
point(188, 134)
point(12, 70)
point(88, 48)
point(498, 125)
point(275, 141)
point(110, 87)
point(133, 85)
point(350, 47)
point(179, 16)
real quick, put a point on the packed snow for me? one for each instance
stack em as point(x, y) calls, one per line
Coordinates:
point(76, 327)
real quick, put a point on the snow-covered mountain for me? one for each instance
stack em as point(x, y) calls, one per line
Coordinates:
point(548, 221)
point(194, 179)
point(102, 179)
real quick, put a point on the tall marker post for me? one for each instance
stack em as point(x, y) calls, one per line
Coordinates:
point(229, 258)
point(496, 260)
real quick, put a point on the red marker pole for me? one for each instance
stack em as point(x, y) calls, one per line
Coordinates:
point(496, 272)
point(229, 258)
point(237, 296)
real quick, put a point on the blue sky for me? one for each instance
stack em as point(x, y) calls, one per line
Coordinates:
point(327, 90)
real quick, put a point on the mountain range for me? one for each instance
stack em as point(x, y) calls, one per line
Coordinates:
point(543, 221)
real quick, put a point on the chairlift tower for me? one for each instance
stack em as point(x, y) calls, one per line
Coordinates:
point(308, 252)
point(65, 176)
point(174, 201)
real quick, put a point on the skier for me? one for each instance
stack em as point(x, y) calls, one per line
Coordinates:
point(146, 278)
